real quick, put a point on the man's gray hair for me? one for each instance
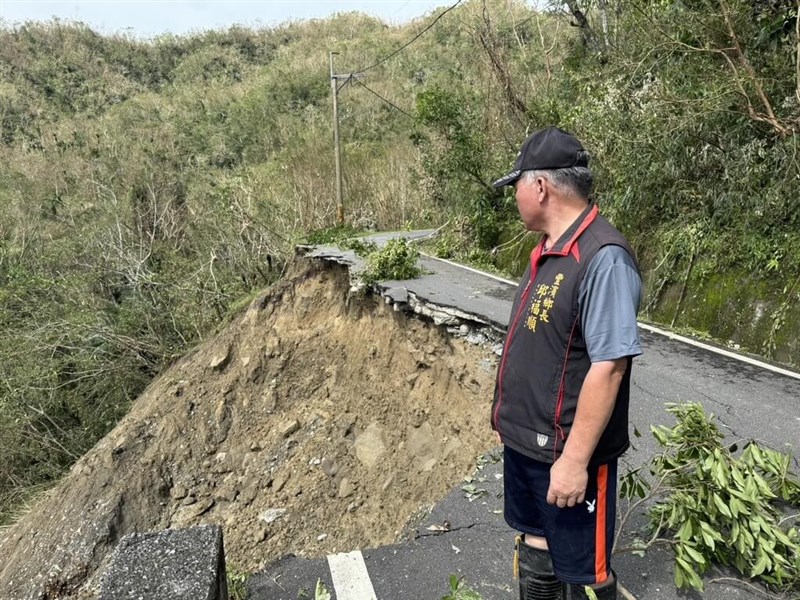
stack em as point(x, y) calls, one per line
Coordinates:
point(576, 179)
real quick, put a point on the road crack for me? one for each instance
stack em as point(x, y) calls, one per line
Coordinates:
point(454, 529)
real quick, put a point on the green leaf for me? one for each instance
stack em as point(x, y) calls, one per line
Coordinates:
point(721, 506)
point(736, 473)
point(685, 532)
point(748, 538)
point(755, 524)
point(720, 472)
point(689, 575)
point(642, 487)
point(453, 582)
point(658, 433)
point(708, 463)
point(783, 538)
point(460, 591)
point(708, 539)
point(763, 487)
point(321, 592)
point(679, 578)
point(694, 554)
point(760, 566)
point(755, 452)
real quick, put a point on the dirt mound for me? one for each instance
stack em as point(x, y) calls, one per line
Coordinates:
point(314, 423)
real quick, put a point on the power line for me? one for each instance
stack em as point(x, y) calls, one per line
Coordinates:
point(353, 77)
point(392, 104)
point(411, 41)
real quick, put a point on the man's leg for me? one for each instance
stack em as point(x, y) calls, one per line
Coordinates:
point(537, 581)
point(604, 591)
point(532, 563)
point(581, 537)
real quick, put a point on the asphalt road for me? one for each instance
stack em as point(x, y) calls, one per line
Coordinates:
point(749, 402)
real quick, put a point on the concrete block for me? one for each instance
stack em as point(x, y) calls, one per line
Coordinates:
point(179, 564)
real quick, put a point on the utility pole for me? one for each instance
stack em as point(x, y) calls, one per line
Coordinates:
point(335, 87)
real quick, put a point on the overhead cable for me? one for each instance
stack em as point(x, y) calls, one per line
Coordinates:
point(390, 103)
point(412, 40)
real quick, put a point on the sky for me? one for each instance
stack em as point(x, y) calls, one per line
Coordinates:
point(148, 18)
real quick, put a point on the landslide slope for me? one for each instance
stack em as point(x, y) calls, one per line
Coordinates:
point(314, 423)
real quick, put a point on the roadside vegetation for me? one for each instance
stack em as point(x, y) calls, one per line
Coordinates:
point(146, 187)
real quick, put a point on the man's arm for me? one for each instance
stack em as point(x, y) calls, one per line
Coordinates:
point(609, 300)
point(568, 475)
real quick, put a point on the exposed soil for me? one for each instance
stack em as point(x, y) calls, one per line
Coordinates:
point(314, 423)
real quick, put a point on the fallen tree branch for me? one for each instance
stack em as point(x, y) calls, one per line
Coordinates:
point(740, 582)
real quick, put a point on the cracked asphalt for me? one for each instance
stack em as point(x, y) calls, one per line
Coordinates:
point(749, 402)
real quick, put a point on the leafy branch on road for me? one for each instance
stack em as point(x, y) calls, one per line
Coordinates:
point(712, 507)
point(459, 590)
point(397, 259)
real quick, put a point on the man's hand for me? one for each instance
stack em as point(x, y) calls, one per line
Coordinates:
point(568, 479)
point(568, 476)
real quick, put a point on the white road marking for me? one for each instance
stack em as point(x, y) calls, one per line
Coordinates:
point(652, 329)
point(350, 577)
point(466, 268)
point(714, 349)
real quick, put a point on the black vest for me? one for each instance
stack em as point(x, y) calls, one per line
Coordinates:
point(544, 358)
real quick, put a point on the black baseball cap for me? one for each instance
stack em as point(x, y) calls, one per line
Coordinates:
point(548, 148)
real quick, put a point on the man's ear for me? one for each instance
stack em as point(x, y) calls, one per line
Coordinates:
point(542, 188)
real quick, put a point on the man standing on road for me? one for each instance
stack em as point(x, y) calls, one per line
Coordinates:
point(561, 398)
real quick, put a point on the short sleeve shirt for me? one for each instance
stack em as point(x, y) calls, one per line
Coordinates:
point(608, 299)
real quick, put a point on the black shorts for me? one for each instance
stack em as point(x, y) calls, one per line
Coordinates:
point(580, 538)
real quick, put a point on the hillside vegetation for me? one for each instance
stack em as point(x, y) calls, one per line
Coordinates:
point(148, 188)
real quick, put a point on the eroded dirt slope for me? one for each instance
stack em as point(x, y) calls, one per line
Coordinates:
point(314, 423)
